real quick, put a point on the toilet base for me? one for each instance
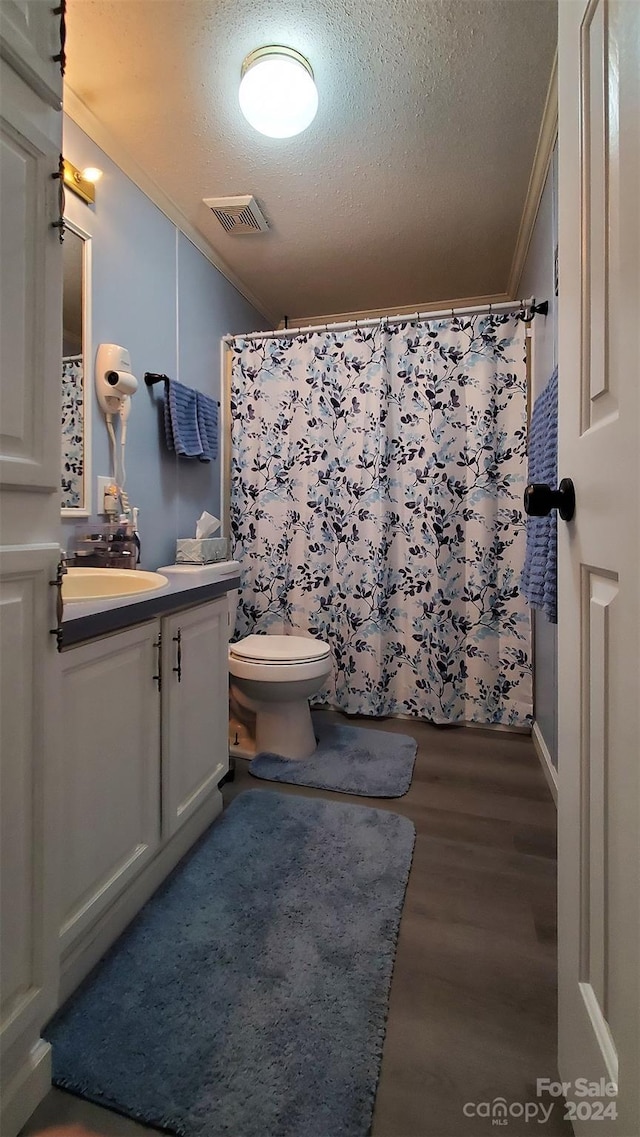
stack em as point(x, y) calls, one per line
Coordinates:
point(285, 729)
point(242, 740)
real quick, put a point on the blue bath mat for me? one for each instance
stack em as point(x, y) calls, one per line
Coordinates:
point(249, 997)
point(349, 759)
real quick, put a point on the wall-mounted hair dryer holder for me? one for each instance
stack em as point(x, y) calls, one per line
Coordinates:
point(115, 382)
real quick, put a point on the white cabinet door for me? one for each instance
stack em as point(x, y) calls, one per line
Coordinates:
point(28, 958)
point(109, 783)
point(30, 38)
point(31, 289)
point(195, 708)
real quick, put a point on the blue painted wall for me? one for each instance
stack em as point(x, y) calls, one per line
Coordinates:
point(153, 292)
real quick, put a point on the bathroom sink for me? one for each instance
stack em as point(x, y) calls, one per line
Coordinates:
point(83, 584)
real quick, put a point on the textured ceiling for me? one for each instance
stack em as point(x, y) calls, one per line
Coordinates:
point(409, 185)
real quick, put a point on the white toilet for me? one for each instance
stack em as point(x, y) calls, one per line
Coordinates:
point(274, 677)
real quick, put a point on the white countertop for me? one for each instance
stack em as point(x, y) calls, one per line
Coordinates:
point(181, 578)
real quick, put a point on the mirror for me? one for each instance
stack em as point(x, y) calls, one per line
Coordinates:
point(76, 373)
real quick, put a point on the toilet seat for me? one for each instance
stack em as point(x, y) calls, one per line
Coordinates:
point(281, 650)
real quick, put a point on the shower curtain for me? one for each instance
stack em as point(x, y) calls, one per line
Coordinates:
point(73, 433)
point(377, 476)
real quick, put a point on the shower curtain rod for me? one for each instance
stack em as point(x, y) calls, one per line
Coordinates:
point(529, 309)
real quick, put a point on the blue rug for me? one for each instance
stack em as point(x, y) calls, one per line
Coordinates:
point(349, 759)
point(249, 997)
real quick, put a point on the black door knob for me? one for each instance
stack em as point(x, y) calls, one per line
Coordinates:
point(540, 499)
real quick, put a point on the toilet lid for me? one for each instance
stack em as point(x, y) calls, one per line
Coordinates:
point(280, 649)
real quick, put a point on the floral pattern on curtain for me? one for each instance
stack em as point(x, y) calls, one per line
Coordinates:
point(377, 476)
point(72, 477)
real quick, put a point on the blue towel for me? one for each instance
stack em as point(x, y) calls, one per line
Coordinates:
point(181, 420)
point(207, 414)
point(539, 575)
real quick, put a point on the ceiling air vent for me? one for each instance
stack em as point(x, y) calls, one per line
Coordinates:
point(237, 215)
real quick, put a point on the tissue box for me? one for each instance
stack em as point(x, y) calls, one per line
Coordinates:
point(202, 551)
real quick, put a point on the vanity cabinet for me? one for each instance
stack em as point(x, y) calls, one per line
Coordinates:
point(145, 746)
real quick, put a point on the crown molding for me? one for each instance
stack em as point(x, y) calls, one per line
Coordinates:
point(541, 162)
point(406, 310)
point(83, 117)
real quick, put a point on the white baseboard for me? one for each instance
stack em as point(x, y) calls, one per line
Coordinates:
point(548, 768)
point(23, 1093)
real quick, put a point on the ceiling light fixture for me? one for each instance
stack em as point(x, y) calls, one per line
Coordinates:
point(277, 93)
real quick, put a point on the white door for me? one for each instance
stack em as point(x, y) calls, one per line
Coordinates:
point(599, 560)
point(30, 392)
point(195, 709)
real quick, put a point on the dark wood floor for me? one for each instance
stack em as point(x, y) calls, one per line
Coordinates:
point(472, 1013)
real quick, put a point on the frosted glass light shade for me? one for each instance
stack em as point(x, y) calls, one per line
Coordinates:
point(278, 96)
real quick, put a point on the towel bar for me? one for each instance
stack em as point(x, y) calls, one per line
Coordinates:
point(152, 377)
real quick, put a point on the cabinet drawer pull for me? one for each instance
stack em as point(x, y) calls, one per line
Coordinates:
point(178, 640)
point(158, 647)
